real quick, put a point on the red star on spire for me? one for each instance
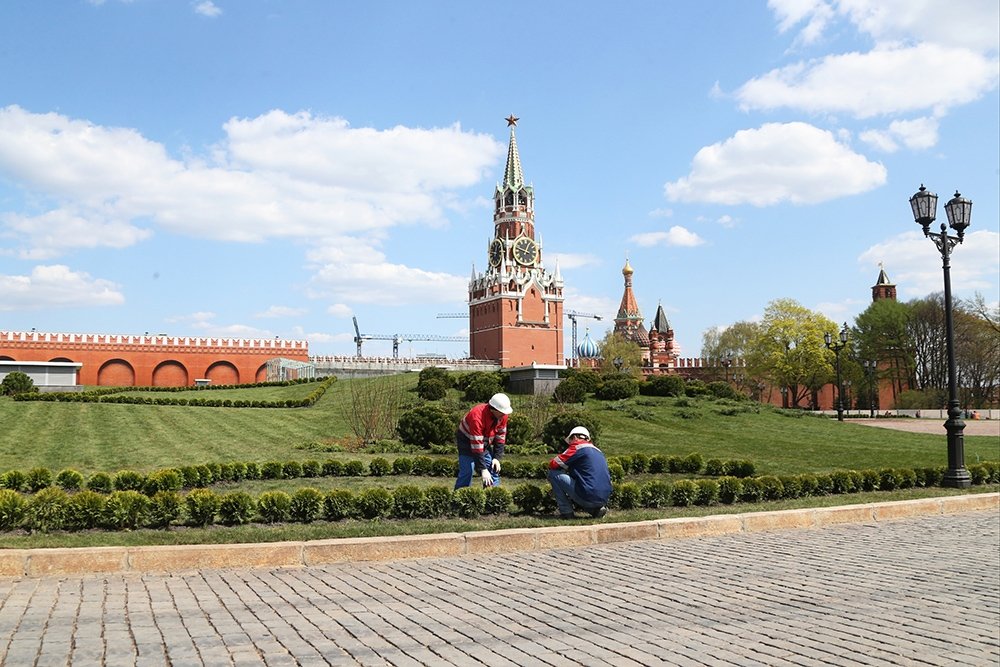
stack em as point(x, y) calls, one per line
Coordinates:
point(512, 120)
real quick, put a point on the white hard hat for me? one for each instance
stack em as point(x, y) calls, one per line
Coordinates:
point(501, 403)
point(578, 430)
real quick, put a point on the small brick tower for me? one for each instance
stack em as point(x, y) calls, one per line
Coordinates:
point(883, 289)
point(516, 306)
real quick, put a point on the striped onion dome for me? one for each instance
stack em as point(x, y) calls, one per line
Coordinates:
point(588, 349)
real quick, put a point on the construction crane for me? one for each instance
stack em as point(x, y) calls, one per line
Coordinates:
point(399, 338)
point(572, 315)
point(454, 316)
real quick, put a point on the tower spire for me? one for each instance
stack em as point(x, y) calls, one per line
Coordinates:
point(513, 177)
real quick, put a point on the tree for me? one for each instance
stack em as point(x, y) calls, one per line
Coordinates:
point(927, 336)
point(881, 333)
point(614, 346)
point(977, 355)
point(17, 382)
point(789, 350)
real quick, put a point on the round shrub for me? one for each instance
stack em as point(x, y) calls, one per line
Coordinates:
point(792, 486)
point(125, 510)
point(809, 484)
point(338, 504)
point(824, 485)
point(85, 510)
point(683, 493)
point(17, 382)
point(714, 468)
point(469, 502)
point(842, 482)
point(479, 386)
point(721, 389)
point(498, 500)
point(445, 468)
point(640, 463)
point(205, 476)
point(291, 470)
point(422, 465)
point(662, 385)
point(708, 492)
point(236, 508)
point(272, 470)
point(202, 505)
point(527, 498)
point(46, 510)
point(655, 493)
point(374, 504)
point(695, 388)
point(274, 506)
point(354, 468)
point(559, 426)
point(570, 390)
point(407, 501)
point(617, 388)
point(402, 465)
point(519, 430)
point(15, 480)
point(907, 478)
point(99, 482)
point(730, 489)
point(870, 480)
point(12, 509)
point(617, 472)
point(433, 373)
point(771, 488)
point(657, 464)
point(626, 496)
point(333, 468)
point(38, 479)
point(433, 389)
point(739, 468)
point(253, 470)
point(190, 475)
point(238, 471)
point(167, 479)
point(933, 476)
point(438, 501)
point(379, 467)
point(692, 463)
point(752, 490)
point(887, 480)
point(426, 425)
point(311, 468)
point(307, 503)
point(164, 509)
point(127, 480)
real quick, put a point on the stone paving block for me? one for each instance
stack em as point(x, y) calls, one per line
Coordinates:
point(607, 533)
point(500, 541)
point(699, 526)
point(90, 560)
point(383, 548)
point(173, 558)
point(779, 520)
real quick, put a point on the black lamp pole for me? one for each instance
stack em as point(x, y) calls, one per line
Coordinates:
point(837, 347)
point(959, 210)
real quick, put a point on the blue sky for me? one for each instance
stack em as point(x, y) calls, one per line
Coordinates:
point(261, 168)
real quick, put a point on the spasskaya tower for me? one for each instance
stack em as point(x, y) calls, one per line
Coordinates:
point(516, 306)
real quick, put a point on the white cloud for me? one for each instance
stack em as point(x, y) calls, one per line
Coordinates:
point(56, 286)
point(340, 310)
point(51, 234)
point(661, 213)
point(280, 311)
point(916, 134)
point(914, 263)
point(675, 236)
point(879, 140)
point(884, 81)
point(777, 162)
point(278, 175)
point(570, 261)
point(207, 8)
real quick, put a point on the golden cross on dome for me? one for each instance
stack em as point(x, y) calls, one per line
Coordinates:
point(512, 120)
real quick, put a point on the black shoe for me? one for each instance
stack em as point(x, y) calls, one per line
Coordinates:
point(600, 512)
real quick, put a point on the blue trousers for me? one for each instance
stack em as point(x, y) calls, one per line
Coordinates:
point(467, 468)
point(564, 489)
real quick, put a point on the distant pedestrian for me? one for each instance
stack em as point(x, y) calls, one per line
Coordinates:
point(481, 437)
point(580, 475)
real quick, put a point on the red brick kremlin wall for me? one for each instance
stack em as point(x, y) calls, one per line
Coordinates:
point(153, 361)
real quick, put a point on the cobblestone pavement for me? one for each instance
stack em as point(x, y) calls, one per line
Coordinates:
point(922, 591)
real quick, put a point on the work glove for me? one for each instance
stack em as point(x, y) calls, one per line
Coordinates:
point(496, 465)
point(487, 478)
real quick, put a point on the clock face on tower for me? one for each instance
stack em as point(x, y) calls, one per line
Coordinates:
point(525, 250)
point(496, 252)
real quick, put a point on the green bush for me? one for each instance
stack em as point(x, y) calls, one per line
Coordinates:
point(887, 479)
point(498, 500)
point(426, 425)
point(479, 386)
point(37, 479)
point(374, 504)
point(434, 389)
point(640, 464)
point(721, 389)
point(692, 463)
point(434, 374)
point(236, 508)
point(657, 464)
point(559, 426)
point(15, 480)
point(445, 468)
point(201, 505)
point(422, 466)
point(468, 502)
point(291, 470)
point(379, 467)
point(655, 493)
point(253, 470)
point(683, 493)
point(274, 506)
point(933, 476)
point(907, 478)
point(238, 471)
point(792, 486)
point(662, 385)
point(571, 390)
point(333, 468)
point(809, 484)
point(730, 489)
point(272, 470)
point(12, 509)
point(771, 488)
point(519, 430)
point(125, 510)
point(527, 497)
point(695, 388)
point(15, 383)
point(205, 476)
point(739, 468)
point(164, 508)
point(842, 482)
point(46, 510)
point(626, 496)
point(339, 504)
point(824, 485)
point(99, 482)
point(408, 501)
point(307, 504)
point(438, 501)
point(128, 480)
point(166, 479)
point(752, 491)
point(714, 468)
point(402, 465)
point(85, 510)
point(354, 468)
point(190, 476)
point(708, 492)
point(617, 388)
point(617, 472)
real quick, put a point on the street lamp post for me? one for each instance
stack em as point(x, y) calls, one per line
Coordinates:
point(618, 362)
point(870, 366)
point(727, 361)
point(837, 347)
point(959, 210)
point(784, 397)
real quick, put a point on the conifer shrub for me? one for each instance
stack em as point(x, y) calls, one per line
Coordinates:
point(469, 502)
point(125, 510)
point(498, 500)
point(166, 479)
point(37, 479)
point(730, 489)
point(15, 480)
point(85, 510)
point(236, 508)
point(714, 467)
point(479, 386)
point(201, 506)
point(99, 482)
point(683, 493)
point(752, 491)
point(128, 480)
point(253, 470)
point(662, 385)
point(425, 425)
point(205, 476)
point(374, 503)
point(657, 464)
point(559, 426)
point(655, 493)
point(333, 468)
point(617, 388)
point(46, 510)
point(437, 501)
point(445, 468)
point(519, 430)
point(338, 504)
point(12, 509)
point(571, 390)
point(809, 484)
point(433, 389)
point(870, 480)
point(272, 470)
point(824, 485)
point(164, 508)
point(408, 501)
point(907, 478)
point(617, 472)
point(17, 382)
point(708, 492)
point(692, 463)
point(741, 468)
point(792, 486)
point(771, 488)
point(354, 468)
point(312, 468)
point(379, 467)
point(422, 465)
point(527, 498)
point(307, 505)
point(887, 480)
point(291, 470)
point(402, 465)
point(856, 479)
point(69, 480)
point(238, 471)
point(274, 506)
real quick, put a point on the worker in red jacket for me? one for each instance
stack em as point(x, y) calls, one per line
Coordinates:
point(481, 437)
point(580, 476)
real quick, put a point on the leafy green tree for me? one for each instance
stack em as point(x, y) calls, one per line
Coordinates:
point(881, 333)
point(614, 346)
point(977, 354)
point(16, 382)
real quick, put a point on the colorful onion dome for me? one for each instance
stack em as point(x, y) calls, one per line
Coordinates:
point(588, 349)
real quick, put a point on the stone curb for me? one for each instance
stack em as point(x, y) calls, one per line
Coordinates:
point(177, 558)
